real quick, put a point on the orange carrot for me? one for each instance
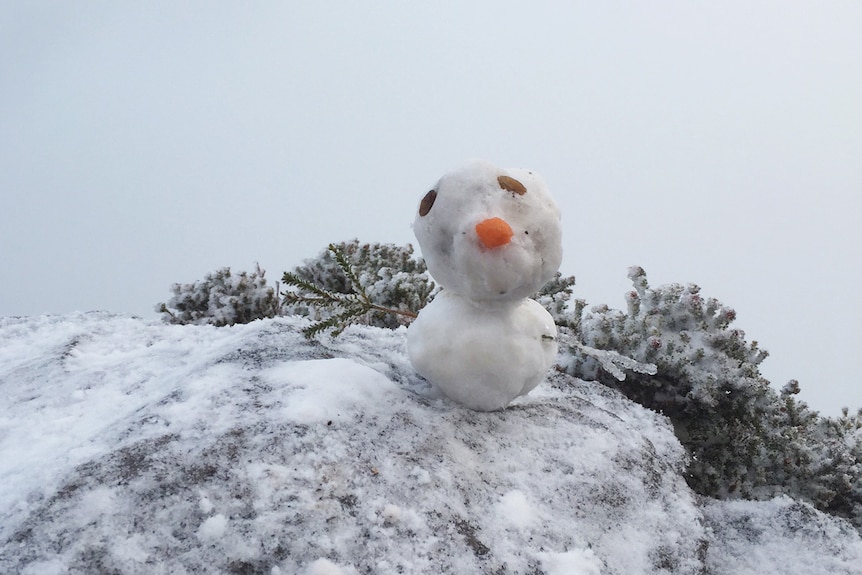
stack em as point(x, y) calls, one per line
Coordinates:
point(494, 232)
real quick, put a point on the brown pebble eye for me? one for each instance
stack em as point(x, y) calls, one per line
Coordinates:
point(511, 185)
point(427, 202)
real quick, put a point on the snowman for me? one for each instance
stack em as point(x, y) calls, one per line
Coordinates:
point(490, 237)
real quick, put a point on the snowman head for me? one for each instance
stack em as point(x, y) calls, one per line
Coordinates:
point(490, 234)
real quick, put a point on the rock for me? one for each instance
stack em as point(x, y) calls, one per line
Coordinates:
point(250, 450)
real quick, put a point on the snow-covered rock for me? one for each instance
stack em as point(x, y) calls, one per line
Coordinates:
point(133, 447)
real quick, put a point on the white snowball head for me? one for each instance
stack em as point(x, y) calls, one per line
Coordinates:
point(490, 234)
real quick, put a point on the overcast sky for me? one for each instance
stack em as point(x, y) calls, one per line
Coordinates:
point(719, 143)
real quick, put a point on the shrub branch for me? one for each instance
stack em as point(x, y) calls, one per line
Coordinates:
point(346, 308)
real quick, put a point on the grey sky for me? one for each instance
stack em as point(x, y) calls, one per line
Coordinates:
point(143, 144)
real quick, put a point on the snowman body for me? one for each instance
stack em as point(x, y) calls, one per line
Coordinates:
point(490, 238)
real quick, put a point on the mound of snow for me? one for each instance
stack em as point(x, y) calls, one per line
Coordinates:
point(131, 447)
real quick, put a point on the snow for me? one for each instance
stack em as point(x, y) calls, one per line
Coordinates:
point(317, 392)
point(133, 447)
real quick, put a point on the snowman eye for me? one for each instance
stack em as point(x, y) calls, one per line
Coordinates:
point(427, 202)
point(511, 185)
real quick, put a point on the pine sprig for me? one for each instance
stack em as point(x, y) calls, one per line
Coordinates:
point(345, 308)
point(320, 295)
point(346, 268)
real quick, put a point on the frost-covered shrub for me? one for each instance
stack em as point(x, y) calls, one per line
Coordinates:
point(744, 438)
point(221, 298)
point(836, 466)
point(822, 459)
point(707, 379)
point(374, 284)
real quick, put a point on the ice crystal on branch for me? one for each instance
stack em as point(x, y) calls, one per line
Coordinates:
point(614, 363)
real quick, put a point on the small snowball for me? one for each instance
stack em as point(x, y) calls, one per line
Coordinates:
point(575, 562)
point(95, 504)
point(205, 504)
point(49, 567)
point(421, 475)
point(213, 528)
point(327, 567)
point(130, 549)
point(391, 513)
point(516, 510)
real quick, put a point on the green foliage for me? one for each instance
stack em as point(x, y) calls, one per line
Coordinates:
point(373, 284)
point(221, 298)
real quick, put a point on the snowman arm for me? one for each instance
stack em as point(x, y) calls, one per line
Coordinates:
point(292, 279)
point(347, 308)
point(614, 362)
point(337, 323)
point(404, 312)
point(347, 268)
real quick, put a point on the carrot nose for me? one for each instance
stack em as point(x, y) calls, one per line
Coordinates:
point(494, 232)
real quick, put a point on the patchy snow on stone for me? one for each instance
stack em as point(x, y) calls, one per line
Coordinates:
point(133, 447)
